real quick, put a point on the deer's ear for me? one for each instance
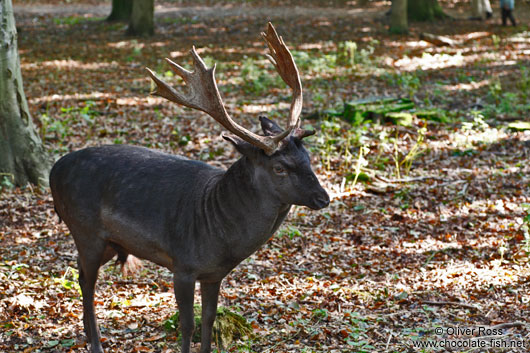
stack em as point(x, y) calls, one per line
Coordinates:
point(269, 127)
point(241, 145)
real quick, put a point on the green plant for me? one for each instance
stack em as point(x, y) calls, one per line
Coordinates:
point(524, 81)
point(310, 62)
point(320, 314)
point(496, 41)
point(407, 160)
point(526, 228)
point(347, 52)
point(69, 280)
point(7, 181)
point(256, 78)
point(494, 89)
point(509, 103)
point(135, 52)
point(289, 231)
point(328, 140)
point(411, 82)
point(52, 129)
point(74, 20)
point(358, 329)
point(228, 326)
point(364, 55)
point(60, 127)
point(361, 162)
point(478, 123)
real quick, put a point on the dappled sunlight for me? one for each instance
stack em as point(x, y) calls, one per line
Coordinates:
point(263, 108)
point(430, 62)
point(465, 275)
point(127, 44)
point(66, 97)
point(69, 64)
point(134, 101)
point(467, 86)
point(465, 53)
point(427, 177)
point(415, 44)
point(469, 138)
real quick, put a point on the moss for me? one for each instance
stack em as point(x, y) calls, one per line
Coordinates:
point(424, 10)
point(227, 328)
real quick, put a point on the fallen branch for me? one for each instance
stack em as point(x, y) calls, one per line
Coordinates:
point(409, 180)
point(440, 41)
point(447, 183)
point(388, 341)
point(442, 303)
point(339, 195)
point(507, 325)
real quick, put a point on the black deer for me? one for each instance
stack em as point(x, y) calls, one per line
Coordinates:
point(197, 220)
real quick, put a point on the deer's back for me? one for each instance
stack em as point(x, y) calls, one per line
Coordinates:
point(117, 188)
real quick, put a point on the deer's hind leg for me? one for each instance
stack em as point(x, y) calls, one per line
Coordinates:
point(92, 254)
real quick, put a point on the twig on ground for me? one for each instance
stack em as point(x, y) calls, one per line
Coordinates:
point(443, 303)
point(447, 183)
point(338, 195)
point(388, 341)
point(409, 180)
point(506, 325)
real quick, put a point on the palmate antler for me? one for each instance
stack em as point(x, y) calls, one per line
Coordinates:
point(203, 93)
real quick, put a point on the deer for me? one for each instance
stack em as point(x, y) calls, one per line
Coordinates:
point(197, 220)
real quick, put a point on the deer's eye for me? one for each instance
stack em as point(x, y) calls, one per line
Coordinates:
point(279, 169)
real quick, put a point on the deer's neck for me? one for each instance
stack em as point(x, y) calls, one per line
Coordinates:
point(245, 216)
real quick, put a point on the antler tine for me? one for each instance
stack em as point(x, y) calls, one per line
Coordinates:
point(203, 95)
point(198, 62)
point(166, 91)
point(179, 70)
point(281, 58)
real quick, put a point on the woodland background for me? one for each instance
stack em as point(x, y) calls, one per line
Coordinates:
point(429, 223)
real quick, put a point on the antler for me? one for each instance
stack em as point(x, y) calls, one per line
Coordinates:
point(203, 93)
point(281, 58)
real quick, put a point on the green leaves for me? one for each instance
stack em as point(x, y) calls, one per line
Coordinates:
point(228, 326)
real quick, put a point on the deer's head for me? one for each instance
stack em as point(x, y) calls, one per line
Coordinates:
point(281, 164)
point(286, 174)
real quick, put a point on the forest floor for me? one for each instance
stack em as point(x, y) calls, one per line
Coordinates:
point(428, 227)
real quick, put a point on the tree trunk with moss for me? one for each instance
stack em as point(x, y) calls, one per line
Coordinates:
point(121, 10)
point(424, 10)
point(398, 17)
point(142, 21)
point(22, 155)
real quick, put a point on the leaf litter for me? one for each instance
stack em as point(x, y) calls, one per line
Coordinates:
point(392, 258)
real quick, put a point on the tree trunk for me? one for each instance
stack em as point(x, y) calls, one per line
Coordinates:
point(398, 17)
point(142, 22)
point(121, 10)
point(424, 10)
point(22, 155)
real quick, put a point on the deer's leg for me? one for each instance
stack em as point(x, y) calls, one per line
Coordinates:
point(209, 295)
point(82, 285)
point(108, 254)
point(89, 261)
point(184, 292)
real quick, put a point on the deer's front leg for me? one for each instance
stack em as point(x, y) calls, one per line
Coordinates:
point(184, 291)
point(209, 295)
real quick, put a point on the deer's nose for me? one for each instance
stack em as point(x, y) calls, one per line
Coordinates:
point(320, 200)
